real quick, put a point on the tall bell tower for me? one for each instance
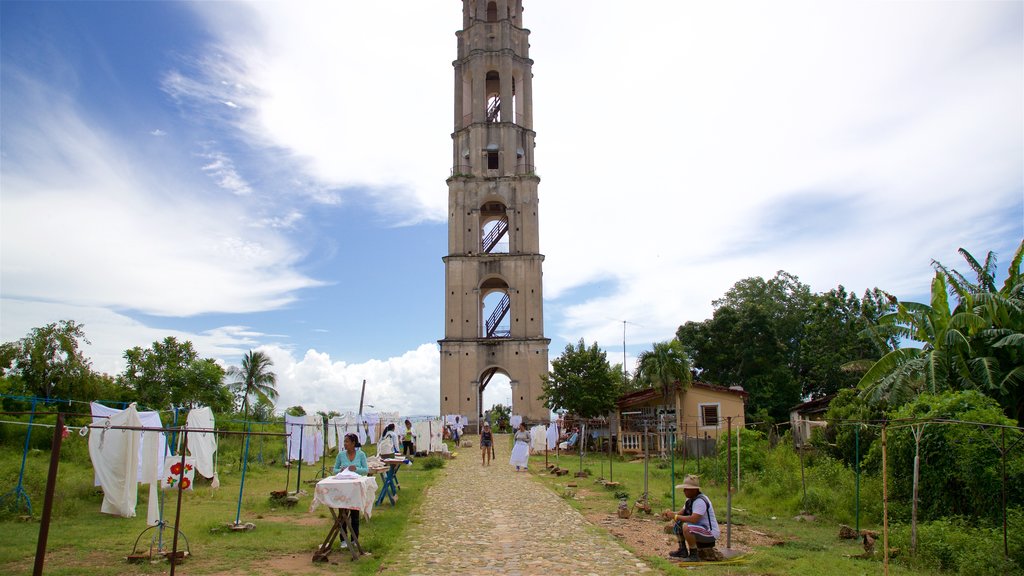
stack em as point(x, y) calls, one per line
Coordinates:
point(494, 308)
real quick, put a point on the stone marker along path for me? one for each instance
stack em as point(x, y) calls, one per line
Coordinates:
point(491, 520)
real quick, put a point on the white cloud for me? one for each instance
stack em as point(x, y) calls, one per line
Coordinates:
point(222, 170)
point(86, 221)
point(356, 105)
point(408, 383)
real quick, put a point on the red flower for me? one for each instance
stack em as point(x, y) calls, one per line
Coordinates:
point(176, 468)
point(185, 483)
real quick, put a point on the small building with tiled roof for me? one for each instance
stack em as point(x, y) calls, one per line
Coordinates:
point(700, 411)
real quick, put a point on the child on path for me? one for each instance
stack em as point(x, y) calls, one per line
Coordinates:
point(486, 441)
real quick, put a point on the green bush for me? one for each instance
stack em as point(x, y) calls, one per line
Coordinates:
point(963, 473)
point(956, 545)
point(431, 462)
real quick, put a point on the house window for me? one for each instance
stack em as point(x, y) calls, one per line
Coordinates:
point(492, 160)
point(709, 415)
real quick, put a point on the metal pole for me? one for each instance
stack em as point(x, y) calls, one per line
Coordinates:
point(245, 462)
point(177, 513)
point(672, 447)
point(298, 473)
point(1006, 548)
point(728, 493)
point(645, 461)
point(739, 434)
point(51, 483)
point(856, 467)
point(684, 456)
point(885, 506)
point(803, 479)
point(19, 491)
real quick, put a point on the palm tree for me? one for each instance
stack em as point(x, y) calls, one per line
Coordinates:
point(943, 362)
point(664, 365)
point(999, 347)
point(254, 379)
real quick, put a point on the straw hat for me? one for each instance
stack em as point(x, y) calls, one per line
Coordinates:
point(691, 481)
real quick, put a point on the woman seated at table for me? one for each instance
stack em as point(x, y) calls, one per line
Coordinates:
point(351, 457)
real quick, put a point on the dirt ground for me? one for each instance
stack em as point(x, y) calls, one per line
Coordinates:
point(647, 537)
point(645, 533)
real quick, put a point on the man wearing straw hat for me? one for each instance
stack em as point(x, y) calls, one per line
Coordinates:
point(696, 522)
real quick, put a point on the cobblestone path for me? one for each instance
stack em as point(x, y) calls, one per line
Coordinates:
point(492, 520)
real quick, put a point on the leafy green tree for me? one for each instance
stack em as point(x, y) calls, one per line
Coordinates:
point(295, 411)
point(262, 411)
point(48, 362)
point(170, 373)
point(664, 366)
point(844, 439)
point(834, 343)
point(741, 347)
point(581, 381)
point(501, 415)
point(962, 475)
point(254, 379)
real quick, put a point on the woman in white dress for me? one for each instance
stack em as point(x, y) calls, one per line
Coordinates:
point(521, 449)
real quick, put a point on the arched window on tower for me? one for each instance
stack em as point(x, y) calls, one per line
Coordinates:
point(495, 305)
point(494, 237)
point(493, 90)
point(492, 11)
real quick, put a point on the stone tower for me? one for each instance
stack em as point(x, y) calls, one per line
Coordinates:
point(494, 313)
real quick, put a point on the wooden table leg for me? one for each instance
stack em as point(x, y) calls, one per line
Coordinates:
point(321, 553)
point(348, 535)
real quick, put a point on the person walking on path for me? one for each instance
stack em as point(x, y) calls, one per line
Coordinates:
point(521, 450)
point(486, 443)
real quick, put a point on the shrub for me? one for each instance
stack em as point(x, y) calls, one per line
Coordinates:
point(956, 545)
point(431, 462)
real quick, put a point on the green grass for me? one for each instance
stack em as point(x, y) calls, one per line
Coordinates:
point(768, 501)
point(82, 541)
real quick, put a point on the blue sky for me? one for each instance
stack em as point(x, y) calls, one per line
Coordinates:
point(271, 175)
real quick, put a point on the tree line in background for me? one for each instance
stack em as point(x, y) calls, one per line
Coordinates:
point(785, 344)
point(48, 363)
point(959, 357)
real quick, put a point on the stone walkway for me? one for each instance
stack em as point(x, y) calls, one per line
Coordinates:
point(492, 520)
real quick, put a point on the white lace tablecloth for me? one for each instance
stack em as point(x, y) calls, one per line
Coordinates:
point(351, 493)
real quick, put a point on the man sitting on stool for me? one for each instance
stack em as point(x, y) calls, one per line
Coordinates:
point(696, 523)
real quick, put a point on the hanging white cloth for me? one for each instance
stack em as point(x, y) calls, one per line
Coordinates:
point(360, 430)
point(115, 460)
point(203, 445)
point(335, 432)
point(371, 434)
point(421, 435)
point(552, 436)
point(293, 426)
point(538, 439)
point(150, 449)
point(315, 425)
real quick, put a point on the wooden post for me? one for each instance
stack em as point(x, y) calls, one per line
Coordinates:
point(728, 492)
point(51, 483)
point(916, 429)
point(885, 507)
